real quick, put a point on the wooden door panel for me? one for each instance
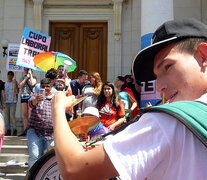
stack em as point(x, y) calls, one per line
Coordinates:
point(92, 50)
point(94, 42)
point(64, 39)
point(86, 43)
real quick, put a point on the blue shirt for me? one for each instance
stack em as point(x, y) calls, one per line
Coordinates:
point(76, 90)
point(125, 99)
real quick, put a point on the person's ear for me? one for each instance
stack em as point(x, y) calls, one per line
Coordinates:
point(202, 48)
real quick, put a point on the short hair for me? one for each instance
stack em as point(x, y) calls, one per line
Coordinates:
point(59, 87)
point(52, 74)
point(128, 76)
point(45, 81)
point(10, 72)
point(82, 72)
point(189, 45)
point(60, 66)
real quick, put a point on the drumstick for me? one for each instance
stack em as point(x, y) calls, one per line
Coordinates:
point(163, 97)
point(13, 86)
point(108, 114)
point(78, 100)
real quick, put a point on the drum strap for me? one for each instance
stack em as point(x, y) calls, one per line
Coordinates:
point(192, 114)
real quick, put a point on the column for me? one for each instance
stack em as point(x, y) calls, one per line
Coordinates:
point(38, 15)
point(117, 36)
point(153, 14)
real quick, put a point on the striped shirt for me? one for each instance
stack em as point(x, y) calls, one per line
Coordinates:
point(41, 119)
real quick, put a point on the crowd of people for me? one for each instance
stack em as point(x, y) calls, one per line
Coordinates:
point(36, 103)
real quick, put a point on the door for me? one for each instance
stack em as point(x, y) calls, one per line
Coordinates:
point(86, 43)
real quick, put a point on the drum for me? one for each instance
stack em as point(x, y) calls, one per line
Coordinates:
point(45, 168)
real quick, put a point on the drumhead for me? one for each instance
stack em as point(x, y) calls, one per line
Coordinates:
point(45, 168)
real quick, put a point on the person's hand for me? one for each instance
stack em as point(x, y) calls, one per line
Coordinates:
point(67, 81)
point(78, 96)
point(28, 76)
point(29, 73)
point(61, 101)
point(1, 132)
point(148, 104)
point(111, 127)
point(39, 97)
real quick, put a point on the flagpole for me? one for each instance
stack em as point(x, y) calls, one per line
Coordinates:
point(55, 60)
point(13, 86)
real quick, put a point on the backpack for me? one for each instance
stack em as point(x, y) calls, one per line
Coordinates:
point(193, 114)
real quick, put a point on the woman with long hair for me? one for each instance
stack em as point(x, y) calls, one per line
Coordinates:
point(92, 90)
point(127, 97)
point(26, 84)
point(110, 106)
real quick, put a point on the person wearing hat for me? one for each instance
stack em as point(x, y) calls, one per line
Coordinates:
point(100, 128)
point(158, 146)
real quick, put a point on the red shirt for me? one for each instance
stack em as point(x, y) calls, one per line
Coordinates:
point(109, 114)
point(69, 93)
point(135, 111)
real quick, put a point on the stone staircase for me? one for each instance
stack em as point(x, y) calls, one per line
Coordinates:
point(13, 158)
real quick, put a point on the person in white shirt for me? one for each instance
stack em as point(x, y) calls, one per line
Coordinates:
point(157, 146)
point(11, 95)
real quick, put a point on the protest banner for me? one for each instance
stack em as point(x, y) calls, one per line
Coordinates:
point(32, 43)
point(149, 93)
point(11, 65)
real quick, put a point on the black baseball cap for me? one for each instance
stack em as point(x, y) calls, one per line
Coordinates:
point(170, 31)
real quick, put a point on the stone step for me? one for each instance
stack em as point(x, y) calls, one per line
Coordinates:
point(15, 140)
point(11, 176)
point(13, 158)
point(5, 157)
point(4, 168)
point(16, 149)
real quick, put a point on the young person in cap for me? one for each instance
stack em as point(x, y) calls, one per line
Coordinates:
point(158, 146)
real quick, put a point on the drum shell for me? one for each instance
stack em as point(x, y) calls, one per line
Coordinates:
point(44, 167)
